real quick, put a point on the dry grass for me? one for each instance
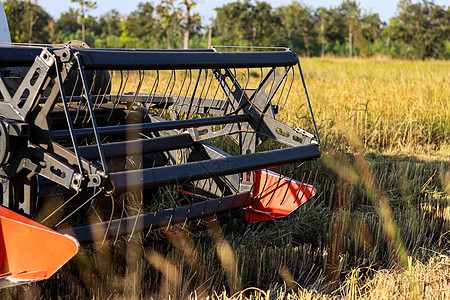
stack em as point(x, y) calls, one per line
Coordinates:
point(420, 281)
point(397, 107)
point(378, 229)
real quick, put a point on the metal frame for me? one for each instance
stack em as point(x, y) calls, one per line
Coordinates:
point(31, 148)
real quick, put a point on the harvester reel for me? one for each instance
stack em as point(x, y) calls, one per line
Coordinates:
point(140, 139)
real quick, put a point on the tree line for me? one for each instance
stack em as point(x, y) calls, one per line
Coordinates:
point(418, 30)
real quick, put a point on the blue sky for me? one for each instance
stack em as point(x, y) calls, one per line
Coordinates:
point(385, 8)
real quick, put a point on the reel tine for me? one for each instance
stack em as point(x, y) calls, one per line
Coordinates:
point(187, 215)
point(173, 169)
point(78, 208)
point(120, 220)
point(208, 73)
point(280, 177)
point(137, 219)
point(224, 105)
point(290, 86)
point(177, 101)
point(78, 80)
point(282, 88)
point(165, 94)
point(110, 219)
point(107, 88)
point(240, 103)
point(151, 225)
point(193, 94)
point(271, 88)
point(200, 100)
point(303, 182)
point(91, 92)
point(99, 92)
point(122, 86)
point(73, 90)
point(61, 206)
point(287, 189)
point(185, 95)
point(170, 93)
point(95, 212)
point(261, 75)
point(151, 96)
point(171, 217)
point(141, 80)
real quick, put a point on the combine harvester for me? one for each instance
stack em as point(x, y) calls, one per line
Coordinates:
point(106, 144)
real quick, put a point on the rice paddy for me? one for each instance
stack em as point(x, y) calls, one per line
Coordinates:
point(379, 227)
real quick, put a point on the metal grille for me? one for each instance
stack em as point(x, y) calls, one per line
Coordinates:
point(103, 143)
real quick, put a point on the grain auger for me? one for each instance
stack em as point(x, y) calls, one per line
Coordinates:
point(103, 144)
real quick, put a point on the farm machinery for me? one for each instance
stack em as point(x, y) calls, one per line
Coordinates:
point(98, 145)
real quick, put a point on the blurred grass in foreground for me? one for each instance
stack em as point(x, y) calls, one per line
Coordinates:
point(419, 281)
point(379, 227)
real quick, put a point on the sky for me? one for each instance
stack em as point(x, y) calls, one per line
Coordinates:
point(385, 8)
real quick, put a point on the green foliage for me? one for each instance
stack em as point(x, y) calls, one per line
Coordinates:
point(422, 26)
point(65, 26)
point(418, 31)
point(140, 23)
point(19, 14)
point(110, 23)
point(297, 26)
point(169, 16)
point(82, 14)
point(244, 23)
point(85, 7)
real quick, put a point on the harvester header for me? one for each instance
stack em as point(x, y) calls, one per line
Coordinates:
point(104, 144)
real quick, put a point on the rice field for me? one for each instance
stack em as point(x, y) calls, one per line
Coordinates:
point(379, 227)
point(395, 107)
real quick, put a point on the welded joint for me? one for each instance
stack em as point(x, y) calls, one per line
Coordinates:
point(304, 132)
point(47, 57)
point(193, 132)
point(77, 180)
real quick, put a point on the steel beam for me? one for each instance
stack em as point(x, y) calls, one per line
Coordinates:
point(162, 218)
point(156, 144)
point(96, 59)
point(153, 177)
point(151, 127)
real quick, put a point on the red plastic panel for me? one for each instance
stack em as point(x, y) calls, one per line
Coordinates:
point(30, 251)
point(276, 196)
